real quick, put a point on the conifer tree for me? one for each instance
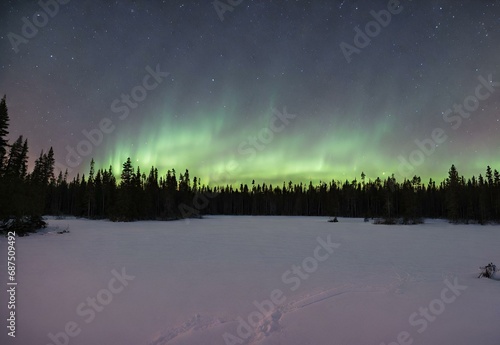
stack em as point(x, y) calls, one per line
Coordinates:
point(452, 194)
point(4, 126)
point(127, 173)
point(16, 166)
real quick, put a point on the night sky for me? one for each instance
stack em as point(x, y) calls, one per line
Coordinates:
point(266, 90)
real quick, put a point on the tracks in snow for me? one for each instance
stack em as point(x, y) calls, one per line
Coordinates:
point(270, 323)
point(196, 323)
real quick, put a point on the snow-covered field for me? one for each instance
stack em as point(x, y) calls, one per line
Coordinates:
point(254, 280)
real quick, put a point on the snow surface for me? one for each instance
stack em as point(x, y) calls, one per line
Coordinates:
point(195, 281)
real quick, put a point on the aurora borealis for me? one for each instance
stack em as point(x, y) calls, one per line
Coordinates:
point(222, 110)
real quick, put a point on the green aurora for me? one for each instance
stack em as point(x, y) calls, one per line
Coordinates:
point(221, 151)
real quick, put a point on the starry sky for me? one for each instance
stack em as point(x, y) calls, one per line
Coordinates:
point(266, 90)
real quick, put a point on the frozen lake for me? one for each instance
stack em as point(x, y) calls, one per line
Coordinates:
point(254, 280)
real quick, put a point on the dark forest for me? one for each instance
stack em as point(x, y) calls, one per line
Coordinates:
point(137, 195)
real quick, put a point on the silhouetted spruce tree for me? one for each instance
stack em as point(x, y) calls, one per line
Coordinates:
point(137, 195)
point(496, 195)
point(452, 194)
point(59, 202)
point(16, 166)
point(127, 173)
point(14, 196)
point(125, 208)
point(409, 194)
point(90, 191)
point(484, 200)
point(390, 203)
point(109, 191)
point(4, 126)
point(152, 195)
point(171, 205)
point(98, 191)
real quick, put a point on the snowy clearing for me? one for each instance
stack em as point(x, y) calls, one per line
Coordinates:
point(254, 280)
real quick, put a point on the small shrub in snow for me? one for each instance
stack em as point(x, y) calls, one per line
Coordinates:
point(23, 226)
point(398, 221)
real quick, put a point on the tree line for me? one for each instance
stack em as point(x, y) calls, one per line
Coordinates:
point(26, 196)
